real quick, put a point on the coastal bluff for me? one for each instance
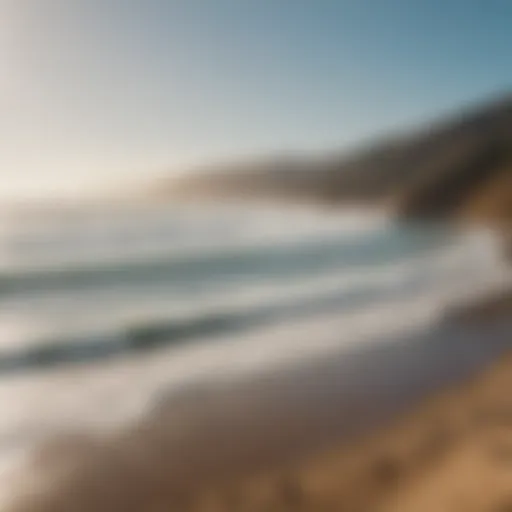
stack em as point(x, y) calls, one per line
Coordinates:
point(458, 167)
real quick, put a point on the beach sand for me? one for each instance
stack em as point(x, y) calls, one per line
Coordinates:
point(417, 425)
point(451, 453)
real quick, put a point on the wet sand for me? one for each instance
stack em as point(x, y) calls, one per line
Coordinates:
point(298, 440)
point(452, 453)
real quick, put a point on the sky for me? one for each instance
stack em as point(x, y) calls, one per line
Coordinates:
point(102, 93)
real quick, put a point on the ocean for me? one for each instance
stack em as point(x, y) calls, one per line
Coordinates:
point(105, 311)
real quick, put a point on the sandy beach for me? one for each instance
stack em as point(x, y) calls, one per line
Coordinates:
point(452, 453)
point(403, 426)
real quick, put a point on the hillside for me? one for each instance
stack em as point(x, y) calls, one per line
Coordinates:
point(461, 165)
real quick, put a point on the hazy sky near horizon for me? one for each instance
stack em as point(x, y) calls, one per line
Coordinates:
point(115, 91)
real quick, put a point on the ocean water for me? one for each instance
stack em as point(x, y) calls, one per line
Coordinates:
point(105, 310)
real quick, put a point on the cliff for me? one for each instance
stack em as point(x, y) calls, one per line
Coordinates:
point(460, 166)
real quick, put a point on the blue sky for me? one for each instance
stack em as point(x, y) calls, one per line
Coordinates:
point(102, 92)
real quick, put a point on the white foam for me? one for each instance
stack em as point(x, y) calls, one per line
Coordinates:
point(113, 391)
point(105, 313)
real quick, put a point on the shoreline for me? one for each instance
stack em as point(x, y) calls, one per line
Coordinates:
point(213, 437)
point(230, 436)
